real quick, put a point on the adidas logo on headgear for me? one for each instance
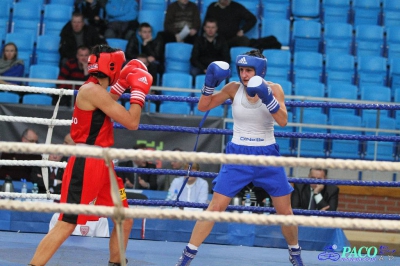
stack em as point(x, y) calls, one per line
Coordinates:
point(143, 79)
point(242, 61)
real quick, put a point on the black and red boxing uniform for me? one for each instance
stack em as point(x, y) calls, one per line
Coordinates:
point(87, 180)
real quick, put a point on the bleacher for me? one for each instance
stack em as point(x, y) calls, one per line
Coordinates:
point(327, 45)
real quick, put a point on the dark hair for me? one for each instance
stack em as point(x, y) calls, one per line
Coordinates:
point(211, 20)
point(144, 25)
point(256, 53)
point(320, 169)
point(140, 146)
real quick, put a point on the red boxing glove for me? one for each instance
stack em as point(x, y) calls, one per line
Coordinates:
point(140, 82)
point(121, 85)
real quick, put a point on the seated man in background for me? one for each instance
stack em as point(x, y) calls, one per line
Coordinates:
point(54, 174)
point(315, 196)
point(195, 190)
point(20, 172)
point(208, 48)
point(136, 180)
point(74, 69)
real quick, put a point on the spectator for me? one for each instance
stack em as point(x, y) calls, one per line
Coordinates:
point(54, 174)
point(258, 195)
point(19, 172)
point(74, 34)
point(121, 18)
point(208, 48)
point(315, 196)
point(196, 188)
point(174, 165)
point(234, 20)
point(142, 46)
point(136, 180)
point(182, 22)
point(10, 64)
point(74, 69)
point(91, 10)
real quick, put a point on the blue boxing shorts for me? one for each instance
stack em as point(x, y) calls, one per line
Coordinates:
point(234, 177)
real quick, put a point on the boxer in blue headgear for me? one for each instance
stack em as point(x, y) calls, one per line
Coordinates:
point(256, 105)
point(258, 63)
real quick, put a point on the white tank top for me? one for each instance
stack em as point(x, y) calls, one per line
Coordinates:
point(253, 123)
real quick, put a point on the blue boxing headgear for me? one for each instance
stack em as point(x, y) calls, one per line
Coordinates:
point(259, 64)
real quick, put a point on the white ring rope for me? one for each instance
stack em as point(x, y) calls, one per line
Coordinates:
point(16, 195)
point(36, 120)
point(18, 88)
point(33, 163)
point(201, 157)
point(153, 213)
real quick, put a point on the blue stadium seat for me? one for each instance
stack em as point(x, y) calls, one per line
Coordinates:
point(55, 17)
point(393, 41)
point(338, 38)
point(339, 67)
point(272, 10)
point(154, 17)
point(37, 99)
point(4, 26)
point(384, 150)
point(309, 88)
point(63, 2)
point(391, 13)
point(117, 43)
point(57, 13)
point(25, 26)
point(346, 149)
point(307, 66)
point(366, 12)
point(180, 108)
point(28, 10)
point(275, 72)
point(341, 91)
point(369, 40)
point(335, 11)
point(374, 93)
point(313, 147)
point(5, 18)
point(278, 58)
point(306, 9)
point(176, 80)
point(9, 97)
point(43, 72)
point(285, 144)
point(47, 50)
point(154, 5)
point(53, 28)
point(306, 36)
point(280, 28)
point(394, 73)
point(371, 70)
point(177, 57)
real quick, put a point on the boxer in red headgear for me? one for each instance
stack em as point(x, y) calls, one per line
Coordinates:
point(87, 180)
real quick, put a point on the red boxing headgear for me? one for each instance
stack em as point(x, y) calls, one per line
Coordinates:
point(109, 64)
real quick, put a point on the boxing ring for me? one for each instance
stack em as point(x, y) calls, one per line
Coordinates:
point(91, 251)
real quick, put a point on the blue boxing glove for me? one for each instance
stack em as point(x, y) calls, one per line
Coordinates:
point(216, 72)
point(256, 85)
